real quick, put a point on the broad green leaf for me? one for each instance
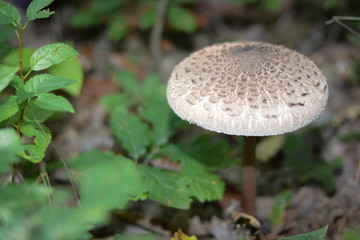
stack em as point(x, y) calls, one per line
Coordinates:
point(128, 81)
point(33, 113)
point(34, 11)
point(6, 74)
point(282, 201)
point(203, 185)
point(117, 29)
point(268, 147)
point(156, 110)
point(9, 14)
point(168, 188)
point(8, 107)
point(316, 235)
point(52, 102)
point(70, 68)
point(130, 131)
point(12, 59)
point(212, 154)
point(182, 19)
point(43, 83)
point(10, 145)
point(106, 174)
point(51, 54)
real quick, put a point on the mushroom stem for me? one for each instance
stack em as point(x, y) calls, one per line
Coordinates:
point(249, 175)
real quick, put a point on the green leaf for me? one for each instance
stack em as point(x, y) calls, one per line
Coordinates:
point(10, 145)
point(33, 113)
point(117, 29)
point(51, 54)
point(182, 19)
point(35, 152)
point(17, 83)
point(70, 68)
point(42, 83)
point(112, 101)
point(128, 81)
point(7, 32)
point(9, 14)
point(4, 50)
point(34, 11)
point(166, 187)
point(8, 107)
point(156, 110)
point(106, 174)
point(203, 185)
point(315, 235)
point(12, 59)
point(6, 74)
point(130, 131)
point(209, 151)
point(282, 201)
point(52, 102)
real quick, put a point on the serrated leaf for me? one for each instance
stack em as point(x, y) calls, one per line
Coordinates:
point(203, 185)
point(166, 187)
point(315, 235)
point(52, 102)
point(6, 74)
point(51, 54)
point(34, 10)
point(156, 110)
point(42, 83)
point(10, 145)
point(8, 107)
point(117, 29)
point(130, 131)
point(282, 201)
point(35, 152)
point(9, 14)
point(182, 19)
point(70, 68)
point(7, 32)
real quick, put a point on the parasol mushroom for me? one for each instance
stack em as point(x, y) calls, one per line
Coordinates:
point(249, 89)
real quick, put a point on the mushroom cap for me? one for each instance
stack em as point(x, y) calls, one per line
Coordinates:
point(247, 88)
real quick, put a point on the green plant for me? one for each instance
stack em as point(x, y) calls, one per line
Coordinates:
point(114, 16)
point(29, 210)
point(142, 122)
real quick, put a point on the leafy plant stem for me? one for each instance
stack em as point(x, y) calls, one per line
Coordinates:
point(20, 52)
point(249, 175)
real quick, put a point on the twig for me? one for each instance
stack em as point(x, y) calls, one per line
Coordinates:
point(339, 19)
point(157, 32)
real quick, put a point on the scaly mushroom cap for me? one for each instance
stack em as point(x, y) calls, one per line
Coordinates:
point(247, 88)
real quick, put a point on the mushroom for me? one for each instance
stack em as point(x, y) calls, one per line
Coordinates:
point(249, 89)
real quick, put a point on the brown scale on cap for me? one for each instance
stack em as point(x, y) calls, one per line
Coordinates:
point(247, 88)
